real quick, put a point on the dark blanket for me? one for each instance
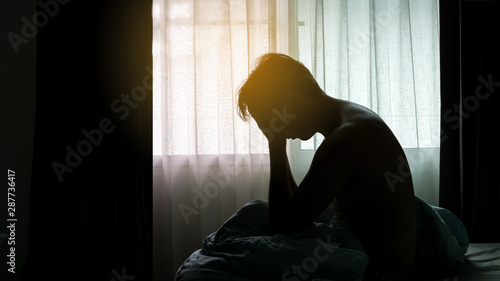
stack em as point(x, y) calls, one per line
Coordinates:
point(242, 248)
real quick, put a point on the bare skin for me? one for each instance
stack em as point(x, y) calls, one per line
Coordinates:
point(351, 164)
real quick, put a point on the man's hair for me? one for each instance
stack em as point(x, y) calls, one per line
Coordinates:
point(273, 76)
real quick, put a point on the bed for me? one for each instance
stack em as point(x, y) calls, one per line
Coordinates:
point(242, 250)
point(482, 262)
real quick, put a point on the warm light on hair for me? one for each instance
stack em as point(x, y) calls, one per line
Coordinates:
point(273, 76)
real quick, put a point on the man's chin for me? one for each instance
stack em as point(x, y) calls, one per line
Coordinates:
point(303, 137)
point(300, 138)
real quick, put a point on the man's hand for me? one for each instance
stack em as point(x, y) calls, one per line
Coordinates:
point(277, 142)
point(272, 122)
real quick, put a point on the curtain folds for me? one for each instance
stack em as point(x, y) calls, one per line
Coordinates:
point(209, 163)
point(90, 193)
point(471, 74)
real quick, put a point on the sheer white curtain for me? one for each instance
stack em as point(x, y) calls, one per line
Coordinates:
point(383, 54)
point(210, 162)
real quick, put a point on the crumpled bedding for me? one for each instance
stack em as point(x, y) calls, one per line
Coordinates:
point(243, 249)
point(442, 241)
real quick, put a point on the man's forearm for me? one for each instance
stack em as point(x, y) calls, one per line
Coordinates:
point(280, 191)
point(280, 170)
point(291, 180)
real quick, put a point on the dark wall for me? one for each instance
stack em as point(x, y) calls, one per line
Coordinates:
point(90, 192)
point(17, 110)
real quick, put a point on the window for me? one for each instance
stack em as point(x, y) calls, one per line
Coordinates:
point(202, 51)
point(382, 54)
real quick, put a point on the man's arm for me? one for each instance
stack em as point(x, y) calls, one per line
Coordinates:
point(291, 179)
point(291, 211)
point(280, 188)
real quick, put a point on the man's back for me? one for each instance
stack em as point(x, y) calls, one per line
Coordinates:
point(378, 198)
point(359, 161)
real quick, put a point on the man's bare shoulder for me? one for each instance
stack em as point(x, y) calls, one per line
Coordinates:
point(367, 127)
point(363, 135)
point(360, 117)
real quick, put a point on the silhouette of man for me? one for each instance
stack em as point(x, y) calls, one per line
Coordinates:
point(351, 164)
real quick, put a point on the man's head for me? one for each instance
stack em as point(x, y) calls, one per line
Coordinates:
point(276, 79)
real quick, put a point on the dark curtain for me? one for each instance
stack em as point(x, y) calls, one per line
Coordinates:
point(90, 201)
point(470, 89)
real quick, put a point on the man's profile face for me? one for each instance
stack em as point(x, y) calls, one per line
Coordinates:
point(263, 116)
point(281, 121)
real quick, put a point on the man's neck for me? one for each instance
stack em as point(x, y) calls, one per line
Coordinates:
point(327, 114)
